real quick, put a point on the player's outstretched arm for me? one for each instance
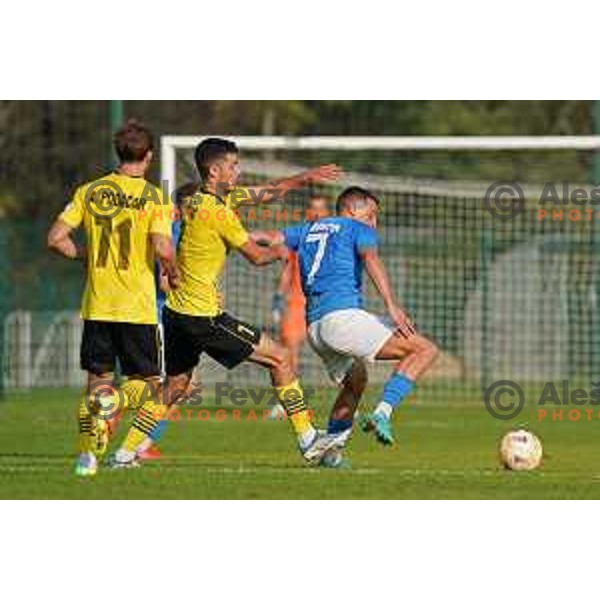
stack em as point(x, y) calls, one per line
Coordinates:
point(61, 242)
point(165, 254)
point(268, 238)
point(378, 274)
point(260, 255)
point(274, 190)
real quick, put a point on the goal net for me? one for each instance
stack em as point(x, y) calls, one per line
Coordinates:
point(507, 291)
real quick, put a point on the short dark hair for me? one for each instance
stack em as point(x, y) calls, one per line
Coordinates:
point(354, 193)
point(133, 141)
point(211, 150)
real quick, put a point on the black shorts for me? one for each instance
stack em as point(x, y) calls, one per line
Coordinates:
point(223, 338)
point(135, 346)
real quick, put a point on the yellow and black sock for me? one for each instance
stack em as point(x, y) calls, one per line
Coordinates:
point(144, 395)
point(136, 391)
point(291, 397)
point(87, 426)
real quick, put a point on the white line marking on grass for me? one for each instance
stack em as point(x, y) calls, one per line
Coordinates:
point(31, 468)
point(241, 470)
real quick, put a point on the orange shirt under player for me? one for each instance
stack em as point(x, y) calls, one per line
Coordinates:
point(293, 322)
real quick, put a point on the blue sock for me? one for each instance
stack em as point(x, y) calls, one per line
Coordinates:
point(339, 425)
point(397, 387)
point(158, 431)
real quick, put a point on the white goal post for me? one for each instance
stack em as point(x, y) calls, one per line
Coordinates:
point(169, 144)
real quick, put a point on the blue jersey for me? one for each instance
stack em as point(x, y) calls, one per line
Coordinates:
point(161, 297)
point(331, 267)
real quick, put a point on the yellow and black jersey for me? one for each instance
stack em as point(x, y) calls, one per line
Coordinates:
point(210, 229)
point(118, 214)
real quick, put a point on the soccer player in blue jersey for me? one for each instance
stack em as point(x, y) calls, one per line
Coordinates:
point(333, 253)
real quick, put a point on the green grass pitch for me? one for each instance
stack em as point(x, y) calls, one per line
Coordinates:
point(446, 449)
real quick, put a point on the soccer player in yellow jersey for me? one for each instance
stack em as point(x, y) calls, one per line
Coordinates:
point(193, 319)
point(128, 226)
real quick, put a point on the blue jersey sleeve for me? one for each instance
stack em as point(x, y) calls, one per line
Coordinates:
point(160, 295)
point(292, 236)
point(176, 231)
point(366, 237)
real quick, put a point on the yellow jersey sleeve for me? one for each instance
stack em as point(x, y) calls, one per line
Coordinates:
point(230, 228)
point(238, 197)
point(160, 219)
point(73, 213)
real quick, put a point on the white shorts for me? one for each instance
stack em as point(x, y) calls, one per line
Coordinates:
point(342, 336)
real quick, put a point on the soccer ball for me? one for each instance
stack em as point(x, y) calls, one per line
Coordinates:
point(521, 451)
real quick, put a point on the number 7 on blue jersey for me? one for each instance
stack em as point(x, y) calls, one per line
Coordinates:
point(321, 239)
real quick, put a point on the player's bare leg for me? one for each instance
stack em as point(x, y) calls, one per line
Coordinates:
point(349, 395)
point(342, 414)
point(415, 354)
point(275, 357)
point(293, 348)
point(178, 387)
point(271, 354)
